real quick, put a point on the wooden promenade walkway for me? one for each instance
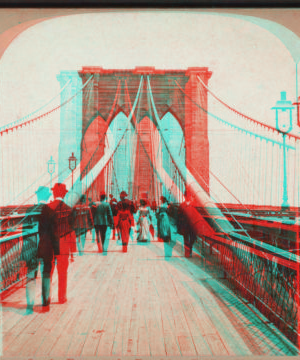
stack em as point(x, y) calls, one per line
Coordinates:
point(140, 303)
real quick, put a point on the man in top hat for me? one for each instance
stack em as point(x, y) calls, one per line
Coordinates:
point(64, 244)
point(185, 221)
point(44, 250)
point(103, 218)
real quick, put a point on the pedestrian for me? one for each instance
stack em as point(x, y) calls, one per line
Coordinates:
point(123, 196)
point(144, 219)
point(84, 222)
point(154, 206)
point(64, 239)
point(114, 208)
point(44, 255)
point(163, 222)
point(102, 219)
point(92, 208)
point(124, 222)
point(185, 221)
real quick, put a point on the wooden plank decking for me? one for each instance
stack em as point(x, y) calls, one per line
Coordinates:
point(142, 304)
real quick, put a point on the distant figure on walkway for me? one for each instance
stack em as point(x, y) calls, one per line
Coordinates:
point(114, 208)
point(124, 221)
point(65, 239)
point(44, 254)
point(92, 208)
point(163, 223)
point(84, 222)
point(154, 206)
point(123, 196)
point(185, 221)
point(103, 218)
point(144, 219)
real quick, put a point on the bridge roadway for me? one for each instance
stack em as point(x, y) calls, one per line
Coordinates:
point(143, 303)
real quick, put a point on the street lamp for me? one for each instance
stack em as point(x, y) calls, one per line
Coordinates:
point(72, 165)
point(51, 169)
point(284, 125)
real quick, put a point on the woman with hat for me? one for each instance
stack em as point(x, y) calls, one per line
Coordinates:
point(123, 196)
point(163, 223)
point(124, 222)
point(144, 218)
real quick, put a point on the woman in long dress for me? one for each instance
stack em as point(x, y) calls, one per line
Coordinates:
point(163, 222)
point(144, 218)
point(124, 221)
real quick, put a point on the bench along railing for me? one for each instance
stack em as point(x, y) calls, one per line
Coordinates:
point(263, 274)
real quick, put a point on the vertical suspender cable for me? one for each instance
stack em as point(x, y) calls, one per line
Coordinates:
point(272, 150)
point(260, 173)
point(9, 167)
point(4, 168)
point(278, 177)
point(18, 162)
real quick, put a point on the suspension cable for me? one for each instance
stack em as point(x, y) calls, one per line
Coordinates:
point(230, 124)
point(45, 114)
point(12, 124)
point(241, 114)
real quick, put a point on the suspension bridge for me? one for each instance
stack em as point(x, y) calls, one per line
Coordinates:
point(151, 132)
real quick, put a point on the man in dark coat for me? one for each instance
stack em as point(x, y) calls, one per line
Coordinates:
point(44, 251)
point(103, 218)
point(185, 221)
point(64, 244)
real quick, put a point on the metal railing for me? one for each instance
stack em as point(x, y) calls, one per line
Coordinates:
point(18, 254)
point(267, 280)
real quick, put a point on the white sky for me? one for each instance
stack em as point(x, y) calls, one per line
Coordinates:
point(250, 65)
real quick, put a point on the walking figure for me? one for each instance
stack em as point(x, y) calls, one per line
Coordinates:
point(124, 222)
point(144, 219)
point(65, 238)
point(84, 222)
point(163, 222)
point(103, 218)
point(185, 221)
point(44, 255)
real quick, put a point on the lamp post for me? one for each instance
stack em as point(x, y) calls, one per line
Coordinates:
point(72, 165)
point(51, 169)
point(284, 125)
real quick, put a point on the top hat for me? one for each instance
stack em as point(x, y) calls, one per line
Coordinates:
point(43, 191)
point(60, 188)
point(123, 193)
